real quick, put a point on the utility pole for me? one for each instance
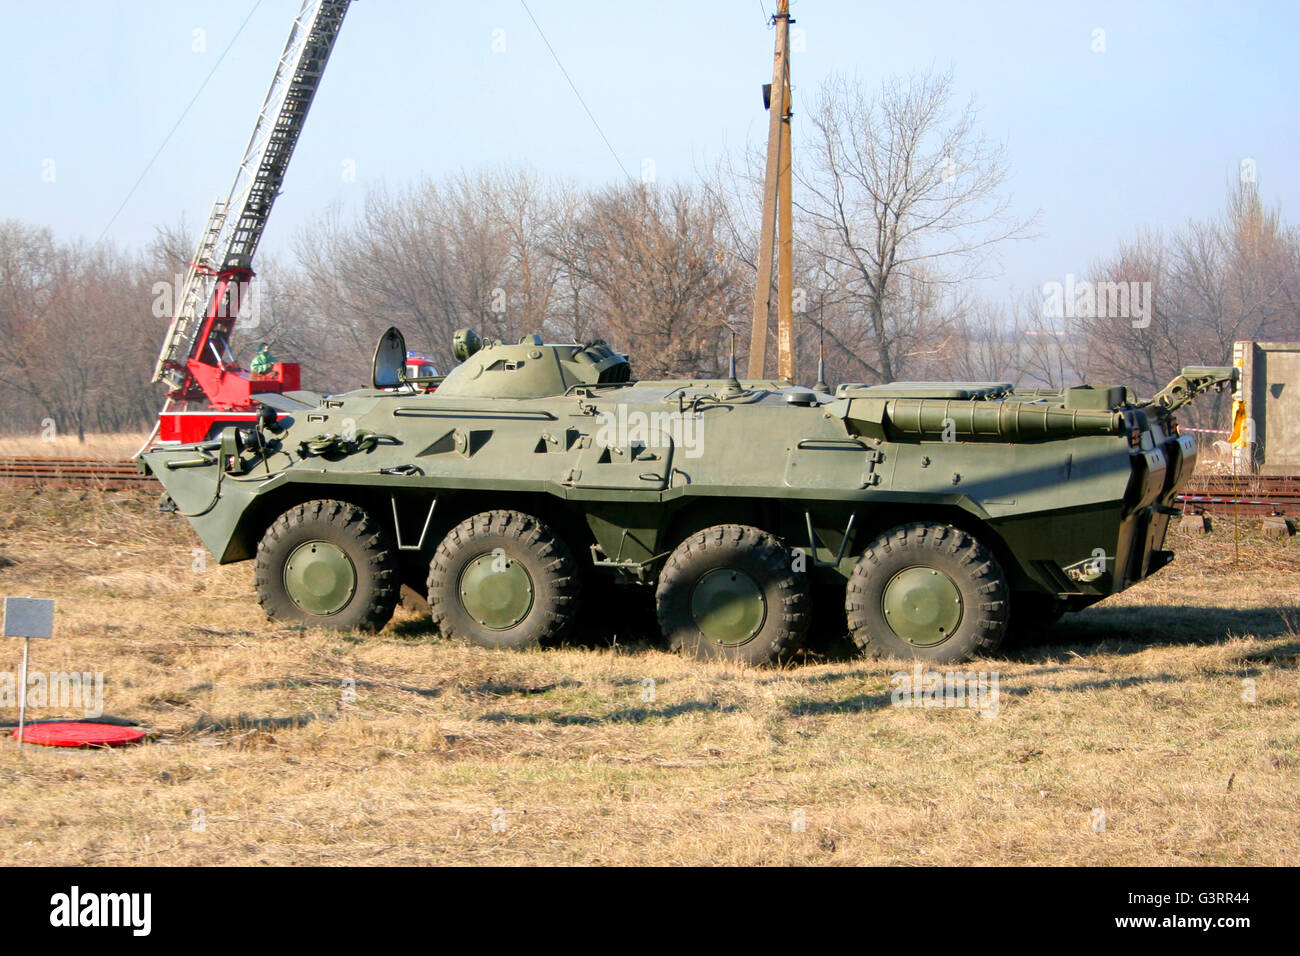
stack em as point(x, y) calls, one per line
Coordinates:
point(785, 246)
point(776, 206)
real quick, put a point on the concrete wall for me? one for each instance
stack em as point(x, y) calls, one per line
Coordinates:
point(1270, 389)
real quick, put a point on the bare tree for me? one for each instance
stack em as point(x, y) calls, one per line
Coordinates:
point(574, 313)
point(1052, 350)
point(660, 277)
point(901, 200)
point(983, 347)
point(77, 336)
point(1213, 282)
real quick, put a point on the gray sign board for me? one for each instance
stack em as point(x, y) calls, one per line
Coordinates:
point(29, 617)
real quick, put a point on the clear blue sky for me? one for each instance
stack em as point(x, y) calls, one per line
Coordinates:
point(1148, 132)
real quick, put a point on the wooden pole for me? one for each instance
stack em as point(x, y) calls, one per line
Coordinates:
point(785, 245)
point(767, 233)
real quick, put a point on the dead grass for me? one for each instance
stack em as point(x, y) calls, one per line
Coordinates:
point(116, 446)
point(1134, 708)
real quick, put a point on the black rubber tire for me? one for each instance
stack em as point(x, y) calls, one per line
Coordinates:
point(765, 559)
point(523, 538)
point(361, 538)
point(970, 565)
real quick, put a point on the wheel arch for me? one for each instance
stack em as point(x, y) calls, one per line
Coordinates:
point(880, 518)
point(786, 520)
point(452, 507)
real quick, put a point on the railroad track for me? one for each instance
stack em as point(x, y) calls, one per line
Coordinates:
point(1215, 494)
point(95, 472)
point(1243, 494)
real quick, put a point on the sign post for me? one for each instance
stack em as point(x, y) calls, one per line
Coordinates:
point(27, 618)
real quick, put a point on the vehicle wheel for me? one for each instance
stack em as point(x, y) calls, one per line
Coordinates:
point(503, 579)
point(327, 563)
point(730, 592)
point(1032, 616)
point(927, 591)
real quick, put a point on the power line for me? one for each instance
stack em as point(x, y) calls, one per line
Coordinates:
point(176, 125)
point(573, 87)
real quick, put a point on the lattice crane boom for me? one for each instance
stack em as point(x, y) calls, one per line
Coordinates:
point(208, 305)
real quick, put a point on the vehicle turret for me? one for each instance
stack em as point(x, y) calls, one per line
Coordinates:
point(533, 369)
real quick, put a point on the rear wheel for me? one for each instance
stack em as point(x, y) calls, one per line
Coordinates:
point(327, 563)
point(730, 593)
point(927, 591)
point(503, 579)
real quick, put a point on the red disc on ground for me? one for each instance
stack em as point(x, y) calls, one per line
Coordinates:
point(80, 735)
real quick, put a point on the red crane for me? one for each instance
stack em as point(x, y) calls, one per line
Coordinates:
point(207, 389)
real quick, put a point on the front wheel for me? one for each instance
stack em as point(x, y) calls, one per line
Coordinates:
point(731, 592)
point(930, 592)
point(327, 563)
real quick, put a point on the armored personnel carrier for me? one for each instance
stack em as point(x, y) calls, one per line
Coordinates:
point(926, 516)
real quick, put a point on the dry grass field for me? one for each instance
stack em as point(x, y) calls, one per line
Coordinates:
point(1125, 737)
point(113, 446)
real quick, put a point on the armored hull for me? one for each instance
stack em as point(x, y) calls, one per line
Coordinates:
point(926, 516)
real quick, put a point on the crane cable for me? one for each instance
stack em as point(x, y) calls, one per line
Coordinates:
point(176, 125)
point(574, 87)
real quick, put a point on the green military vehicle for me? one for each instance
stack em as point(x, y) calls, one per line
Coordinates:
point(927, 517)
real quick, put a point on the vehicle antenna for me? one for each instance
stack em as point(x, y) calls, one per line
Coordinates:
point(820, 385)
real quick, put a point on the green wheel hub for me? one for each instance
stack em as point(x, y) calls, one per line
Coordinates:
point(728, 606)
point(922, 605)
point(496, 591)
point(320, 578)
